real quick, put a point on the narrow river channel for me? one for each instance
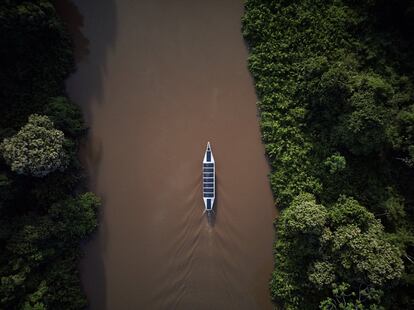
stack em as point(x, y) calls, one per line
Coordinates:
point(157, 79)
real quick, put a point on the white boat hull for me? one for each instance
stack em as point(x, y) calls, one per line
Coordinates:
point(209, 179)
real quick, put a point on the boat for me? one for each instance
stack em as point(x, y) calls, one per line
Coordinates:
point(209, 179)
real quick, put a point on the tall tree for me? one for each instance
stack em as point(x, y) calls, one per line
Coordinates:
point(37, 149)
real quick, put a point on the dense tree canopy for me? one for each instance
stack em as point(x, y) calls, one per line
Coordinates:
point(36, 245)
point(35, 56)
point(45, 212)
point(341, 245)
point(335, 83)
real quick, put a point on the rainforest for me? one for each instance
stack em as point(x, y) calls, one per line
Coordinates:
point(335, 82)
point(105, 110)
point(45, 208)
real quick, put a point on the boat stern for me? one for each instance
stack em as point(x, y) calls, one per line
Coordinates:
point(208, 204)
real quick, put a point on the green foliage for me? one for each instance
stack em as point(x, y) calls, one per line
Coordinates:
point(37, 243)
point(319, 249)
point(81, 211)
point(34, 300)
point(335, 163)
point(303, 216)
point(335, 83)
point(35, 56)
point(343, 298)
point(66, 116)
point(37, 149)
point(43, 219)
point(322, 274)
point(65, 288)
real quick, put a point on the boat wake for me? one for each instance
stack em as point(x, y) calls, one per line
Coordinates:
point(211, 217)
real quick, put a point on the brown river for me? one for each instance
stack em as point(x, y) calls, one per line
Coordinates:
point(157, 79)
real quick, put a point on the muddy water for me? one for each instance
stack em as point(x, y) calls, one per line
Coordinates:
point(157, 79)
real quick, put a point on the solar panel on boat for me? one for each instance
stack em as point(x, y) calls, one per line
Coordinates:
point(208, 204)
point(208, 195)
point(208, 156)
point(208, 175)
point(208, 164)
point(208, 180)
point(208, 185)
point(208, 190)
point(208, 170)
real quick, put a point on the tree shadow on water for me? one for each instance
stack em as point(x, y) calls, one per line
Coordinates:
point(92, 265)
point(92, 25)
